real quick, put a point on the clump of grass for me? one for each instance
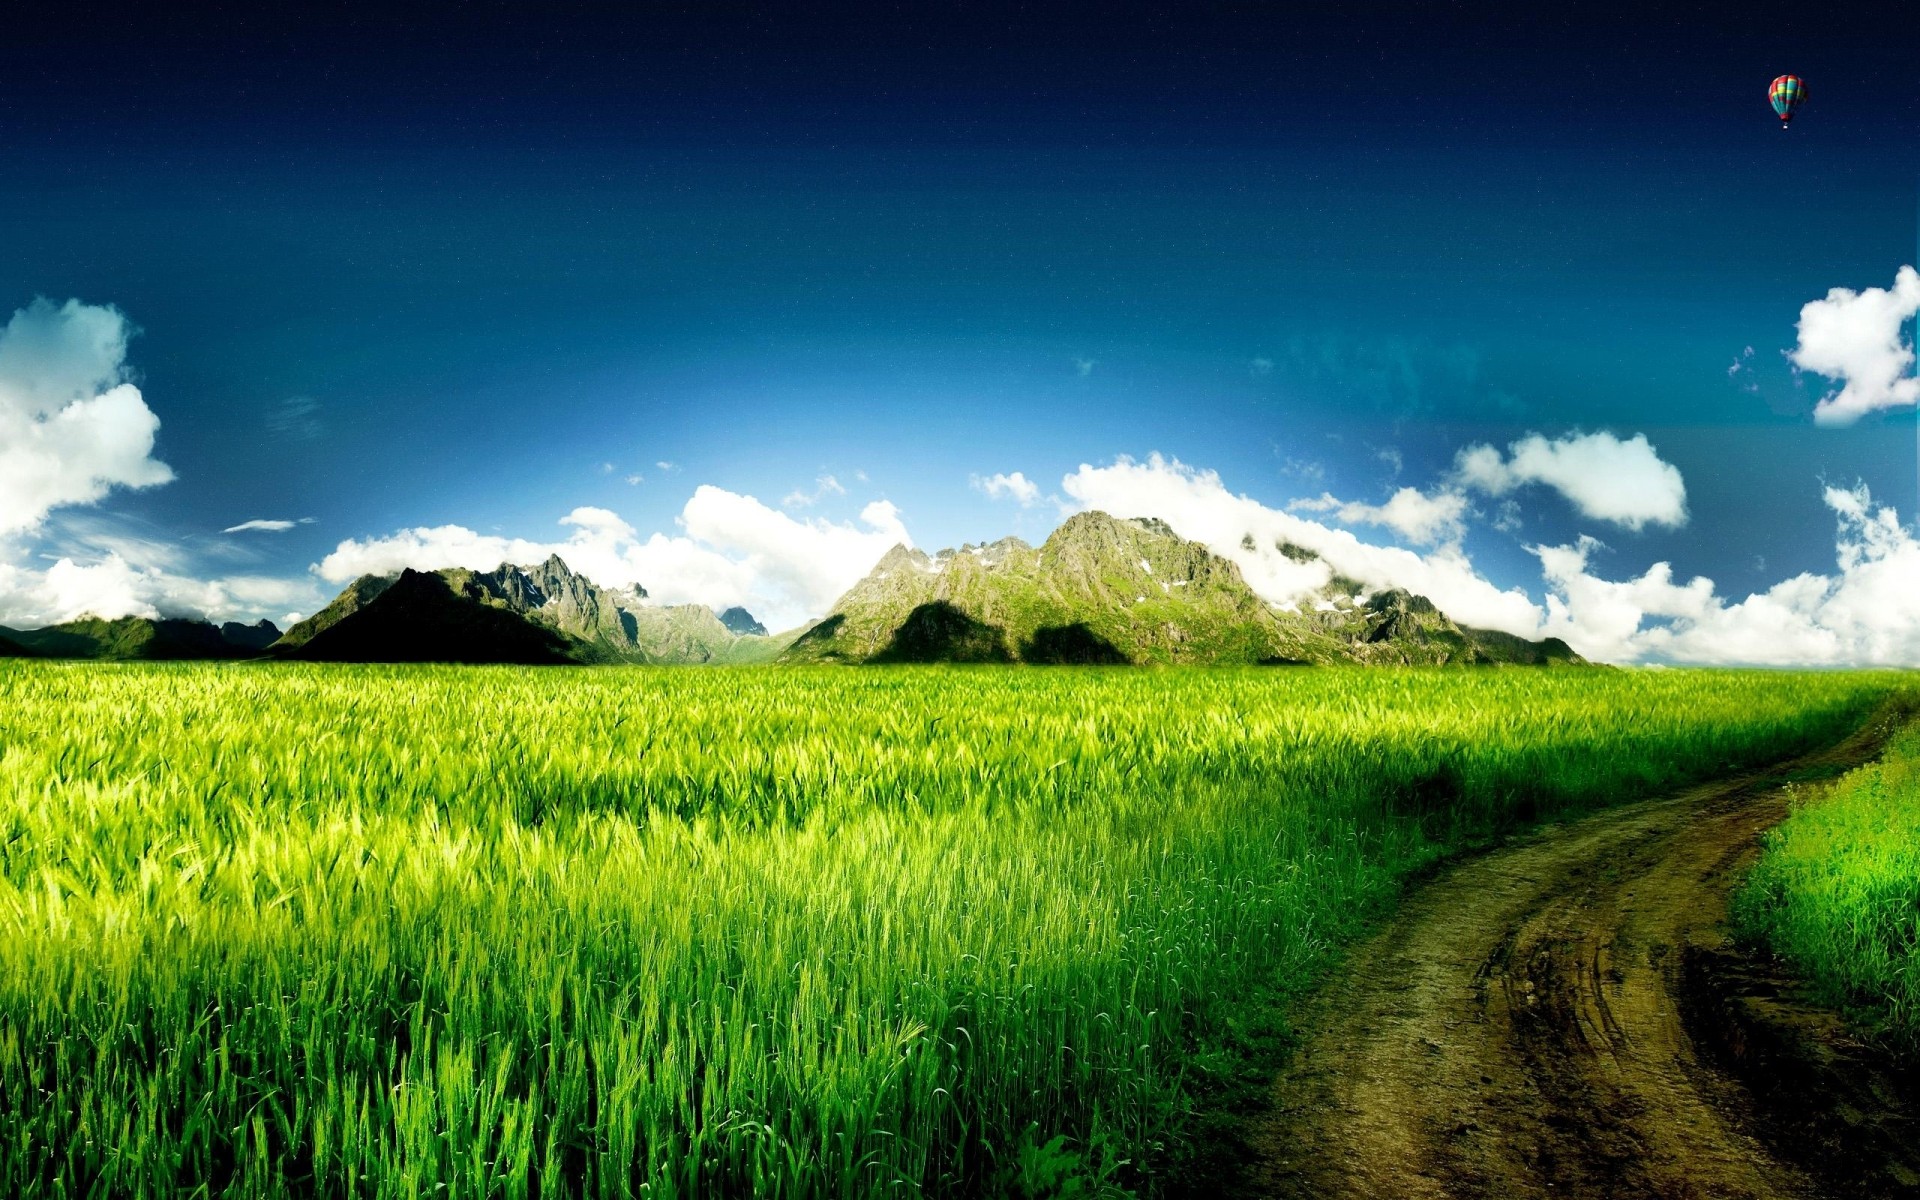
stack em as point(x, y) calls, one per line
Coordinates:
point(372, 931)
point(1837, 892)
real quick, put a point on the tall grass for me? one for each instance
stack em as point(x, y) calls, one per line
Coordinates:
point(280, 930)
point(1837, 891)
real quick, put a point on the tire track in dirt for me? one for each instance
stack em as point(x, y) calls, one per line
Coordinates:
point(1518, 1031)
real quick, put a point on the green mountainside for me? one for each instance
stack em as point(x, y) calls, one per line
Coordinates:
point(1105, 590)
point(524, 614)
point(141, 638)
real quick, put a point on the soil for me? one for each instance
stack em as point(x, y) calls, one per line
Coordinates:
point(1565, 1016)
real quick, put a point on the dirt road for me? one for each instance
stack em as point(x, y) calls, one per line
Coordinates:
point(1519, 1029)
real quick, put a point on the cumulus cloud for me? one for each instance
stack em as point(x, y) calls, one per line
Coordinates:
point(1266, 543)
point(1418, 517)
point(733, 549)
point(113, 587)
point(1624, 482)
point(1857, 339)
point(1015, 486)
point(1862, 614)
point(72, 427)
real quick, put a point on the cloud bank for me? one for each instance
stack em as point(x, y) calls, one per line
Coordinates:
point(1857, 339)
point(1866, 613)
point(72, 428)
point(113, 587)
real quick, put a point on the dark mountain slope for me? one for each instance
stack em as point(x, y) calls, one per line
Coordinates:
point(438, 617)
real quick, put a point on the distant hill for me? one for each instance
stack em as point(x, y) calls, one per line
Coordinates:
point(1106, 590)
point(544, 613)
point(740, 621)
point(130, 638)
point(257, 636)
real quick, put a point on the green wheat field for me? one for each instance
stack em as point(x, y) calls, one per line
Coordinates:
point(275, 930)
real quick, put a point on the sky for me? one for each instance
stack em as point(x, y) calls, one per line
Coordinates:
point(1533, 312)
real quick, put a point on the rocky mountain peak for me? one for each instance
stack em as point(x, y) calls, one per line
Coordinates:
point(903, 558)
point(740, 621)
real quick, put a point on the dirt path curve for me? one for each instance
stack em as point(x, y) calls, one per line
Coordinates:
point(1517, 1030)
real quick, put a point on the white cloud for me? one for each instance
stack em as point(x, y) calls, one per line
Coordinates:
point(266, 526)
point(1260, 366)
point(112, 587)
point(1625, 482)
point(1198, 506)
point(734, 550)
point(1865, 614)
point(1857, 339)
point(71, 427)
point(1004, 486)
point(1419, 518)
point(1083, 367)
point(824, 486)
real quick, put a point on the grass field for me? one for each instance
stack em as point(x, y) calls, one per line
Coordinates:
point(1837, 892)
point(275, 930)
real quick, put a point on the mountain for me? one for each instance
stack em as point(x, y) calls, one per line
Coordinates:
point(1106, 590)
point(12, 649)
point(740, 621)
point(544, 613)
point(256, 637)
point(438, 616)
point(143, 638)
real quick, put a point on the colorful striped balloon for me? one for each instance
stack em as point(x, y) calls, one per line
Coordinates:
point(1787, 94)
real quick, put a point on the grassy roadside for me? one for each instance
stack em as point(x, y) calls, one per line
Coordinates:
point(1837, 894)
point(271, 931)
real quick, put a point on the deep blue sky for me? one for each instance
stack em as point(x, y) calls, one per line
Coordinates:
point(486, 252)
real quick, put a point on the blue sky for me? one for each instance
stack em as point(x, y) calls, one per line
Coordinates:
point(481, 272)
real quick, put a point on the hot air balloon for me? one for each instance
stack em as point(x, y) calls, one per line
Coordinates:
point(1787, 93)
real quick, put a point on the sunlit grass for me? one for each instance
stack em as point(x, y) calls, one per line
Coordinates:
point(273, 930)
point(1837, 892)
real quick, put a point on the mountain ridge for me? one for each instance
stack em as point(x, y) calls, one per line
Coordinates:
point(1100, 590)
point(1103, 589)
point(139, 638)
point(571, 619)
